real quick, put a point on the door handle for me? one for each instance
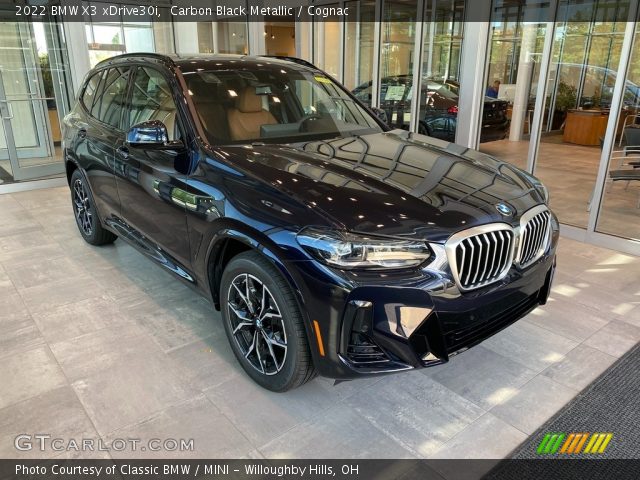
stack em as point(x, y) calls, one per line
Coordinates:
point(123, 152)
point(9, 110)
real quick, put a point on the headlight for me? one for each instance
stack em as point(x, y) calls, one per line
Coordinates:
point(348, 250)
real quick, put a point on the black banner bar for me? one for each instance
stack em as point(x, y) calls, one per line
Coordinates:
point(403, 11)
point(556, 468)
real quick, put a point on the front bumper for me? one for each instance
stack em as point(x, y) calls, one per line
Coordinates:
point(401, 324)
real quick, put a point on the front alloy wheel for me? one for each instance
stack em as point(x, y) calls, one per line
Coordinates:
point(256, 323)
point(263, 323)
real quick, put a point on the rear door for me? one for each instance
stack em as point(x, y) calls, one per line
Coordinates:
point(151, 181)
point(98, 129)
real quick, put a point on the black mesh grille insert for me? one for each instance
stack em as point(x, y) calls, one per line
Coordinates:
point(466, 336)
point(363, 351)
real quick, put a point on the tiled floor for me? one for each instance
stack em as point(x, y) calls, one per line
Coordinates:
point(101, 343)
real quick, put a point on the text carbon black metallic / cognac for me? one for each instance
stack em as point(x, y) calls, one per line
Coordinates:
point(330, 243)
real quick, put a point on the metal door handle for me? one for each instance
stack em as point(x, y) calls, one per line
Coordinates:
point(9, 109)
point(29, 99)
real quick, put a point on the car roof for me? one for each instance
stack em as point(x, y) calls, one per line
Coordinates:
point(193, 63)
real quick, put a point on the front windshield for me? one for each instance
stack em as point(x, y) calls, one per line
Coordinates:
point(272, 103)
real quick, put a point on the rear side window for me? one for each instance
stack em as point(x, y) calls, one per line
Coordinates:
point(89, 94)
point(112, 97)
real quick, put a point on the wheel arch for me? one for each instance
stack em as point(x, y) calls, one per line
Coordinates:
point(228, 243)
point(70, 166)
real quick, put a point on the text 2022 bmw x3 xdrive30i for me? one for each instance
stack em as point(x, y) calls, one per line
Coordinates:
point(330, 243)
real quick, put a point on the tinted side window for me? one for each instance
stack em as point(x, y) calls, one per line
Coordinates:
point(89, 94)
point(112, 97)
point(152, 100)
point(98, 95)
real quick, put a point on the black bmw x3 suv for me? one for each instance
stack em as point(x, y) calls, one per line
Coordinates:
point(330, 243)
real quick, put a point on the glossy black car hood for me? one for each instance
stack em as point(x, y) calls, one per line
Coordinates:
point(394, 183)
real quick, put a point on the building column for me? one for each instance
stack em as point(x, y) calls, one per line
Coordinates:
point(304, 40)
point(256, 38)
point(472, 78)
point(78, 49)
point(523, 82)
point(186, 37)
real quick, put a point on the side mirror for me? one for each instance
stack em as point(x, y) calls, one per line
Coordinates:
point(152, 133)
point(381, 114)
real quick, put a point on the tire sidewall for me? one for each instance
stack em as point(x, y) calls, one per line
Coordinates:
point(281, 380)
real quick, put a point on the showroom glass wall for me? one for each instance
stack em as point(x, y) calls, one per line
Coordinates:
point(619, 212)
point(576, 46)
point(399, 55)
point(513, 72)
point(585, 53)
point(439, 71)
point(431, 72)
point(222, 37)
point(563, 129)
point(106, 39)
point(35, 93)
point(582, 74)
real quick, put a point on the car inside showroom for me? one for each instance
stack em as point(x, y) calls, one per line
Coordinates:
point(309, 239)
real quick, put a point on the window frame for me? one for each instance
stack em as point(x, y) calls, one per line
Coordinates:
point(99, 90)
point(126, 74)
point(172, 89)
point(98, 74)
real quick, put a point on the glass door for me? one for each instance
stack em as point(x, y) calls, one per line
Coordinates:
point(438, 105)
point(518, 32)
point(7, 147)
point(32, 101)
point(396, 61)
point(359, 49)
point(620, 209)
point(582, 73)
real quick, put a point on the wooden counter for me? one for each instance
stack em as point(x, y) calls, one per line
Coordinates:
point(585, 127)
point(55, 126)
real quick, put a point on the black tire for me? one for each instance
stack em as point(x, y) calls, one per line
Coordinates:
point(250, 270)
point(84, 210)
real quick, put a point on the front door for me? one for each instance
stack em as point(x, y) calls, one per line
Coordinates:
point(149, 184)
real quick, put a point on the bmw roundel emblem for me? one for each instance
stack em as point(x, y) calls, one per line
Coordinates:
point(504, 209)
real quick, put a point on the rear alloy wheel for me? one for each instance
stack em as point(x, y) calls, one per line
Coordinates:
point(263, 323)
point(85, 213)
point(81, 208)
